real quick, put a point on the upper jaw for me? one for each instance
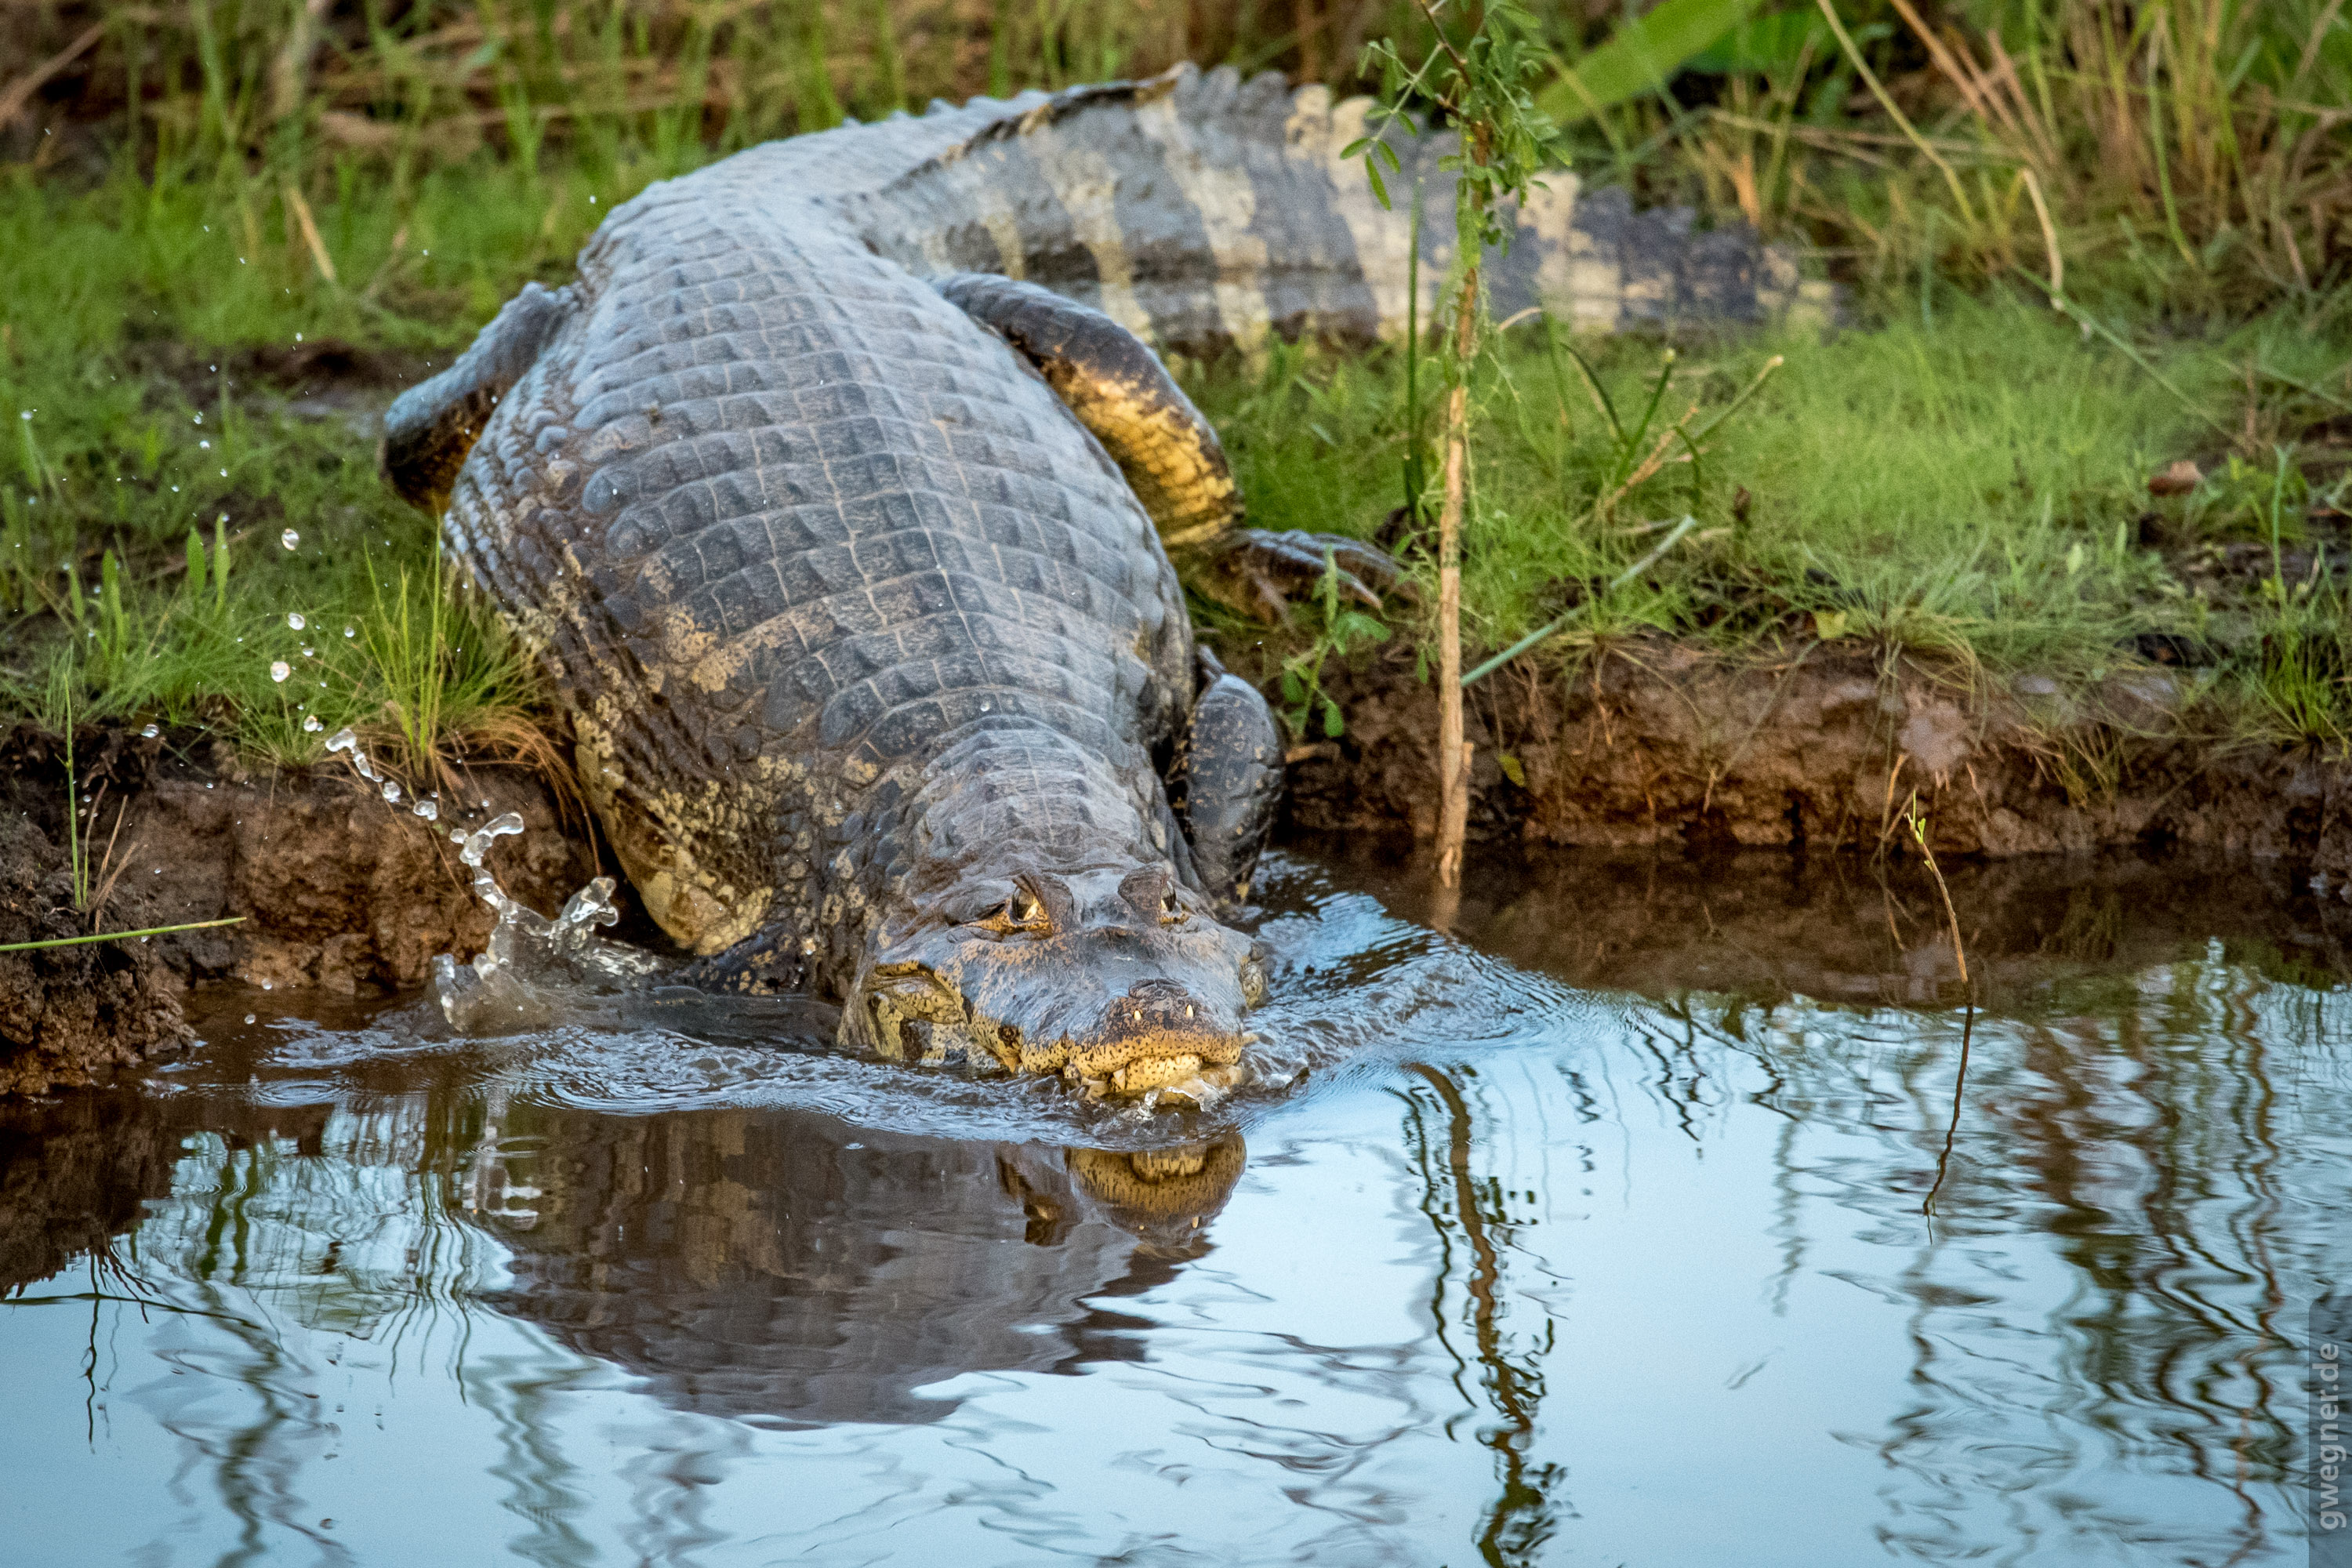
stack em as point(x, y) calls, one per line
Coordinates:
point(1110, 1022)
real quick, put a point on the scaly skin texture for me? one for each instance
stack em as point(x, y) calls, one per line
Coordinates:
point(873, 654)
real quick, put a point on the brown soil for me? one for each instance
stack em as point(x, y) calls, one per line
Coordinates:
point(338, 890)
point(1652, 746)
point(69, 1015)
point(1656, 743)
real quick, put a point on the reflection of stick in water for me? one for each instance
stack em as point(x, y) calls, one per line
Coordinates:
point(1520, 1521)
point(1959, 1087)
point(1969, 1002)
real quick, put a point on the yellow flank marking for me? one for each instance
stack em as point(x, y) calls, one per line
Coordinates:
point(1083, 181)
point(1550, 211)
point(1226, 202)
point(1596, 286)
point(1171, 461)
point(1383, 239)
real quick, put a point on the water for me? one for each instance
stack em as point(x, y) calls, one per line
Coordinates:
point(1593, 1234)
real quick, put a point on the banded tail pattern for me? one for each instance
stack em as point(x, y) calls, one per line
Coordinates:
point(1204, 213)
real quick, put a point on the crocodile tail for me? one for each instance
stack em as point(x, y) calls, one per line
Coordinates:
point(1206, 213)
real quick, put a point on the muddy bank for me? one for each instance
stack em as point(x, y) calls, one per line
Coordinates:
point(337, 891)
point(1766, 925)
point(1652, 747)
point(1657, 744)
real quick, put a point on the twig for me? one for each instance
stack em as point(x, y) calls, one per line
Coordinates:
point(2049, 239)
point(310, 231)
point(20, 92)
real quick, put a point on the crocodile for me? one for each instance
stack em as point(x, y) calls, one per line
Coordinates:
point(843, 496)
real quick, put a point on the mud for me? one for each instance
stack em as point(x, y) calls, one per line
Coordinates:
point(70, 1014)
point(1657, 744)
point(1652, 746)
point(339, 893)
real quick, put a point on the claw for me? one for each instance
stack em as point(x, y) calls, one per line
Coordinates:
point(1261, 571)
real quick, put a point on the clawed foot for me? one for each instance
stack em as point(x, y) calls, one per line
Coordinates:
point(1260, 572)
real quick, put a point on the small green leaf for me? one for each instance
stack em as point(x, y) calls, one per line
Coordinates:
point(1333, 726)
point(195, 584)
point(1511, 769)
point(1829, 624)
point(1380, 186)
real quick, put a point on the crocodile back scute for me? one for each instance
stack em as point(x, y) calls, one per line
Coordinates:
point(770, 500)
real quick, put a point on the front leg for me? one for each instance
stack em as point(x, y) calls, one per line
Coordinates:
point(1225, 784)
point(1259, 572)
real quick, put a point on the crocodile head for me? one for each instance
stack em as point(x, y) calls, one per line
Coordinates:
point(1118, 979)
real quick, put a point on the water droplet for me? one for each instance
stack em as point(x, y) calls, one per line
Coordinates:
point(150, 732)
point(426, 810)
point(311, 725)
point(351, 631)
point(289, 539)
point(294, 618)
point(268, 985)
point(279, 669)
point(248, 1018)
point(391, 791)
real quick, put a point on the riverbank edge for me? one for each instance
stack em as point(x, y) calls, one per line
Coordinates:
point(1651, 746)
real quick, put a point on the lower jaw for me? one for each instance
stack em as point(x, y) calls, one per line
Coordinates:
point(1180, 1078)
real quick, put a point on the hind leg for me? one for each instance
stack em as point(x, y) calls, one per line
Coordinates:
point(1116, 385)
point(1226, 781)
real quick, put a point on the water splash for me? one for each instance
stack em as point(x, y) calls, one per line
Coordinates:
point(347, 740)
point(533, 966)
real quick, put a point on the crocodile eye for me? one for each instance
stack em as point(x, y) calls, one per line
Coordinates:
point(1170, 910)
point(1024, 909)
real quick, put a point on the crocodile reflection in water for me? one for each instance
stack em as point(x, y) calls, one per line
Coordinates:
point(780, 1267)
point(775, 1265)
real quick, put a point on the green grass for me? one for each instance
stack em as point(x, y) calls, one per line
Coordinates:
point(1967, 481)
point(1972, 491)
point(1964, 482)
point(156, 459)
